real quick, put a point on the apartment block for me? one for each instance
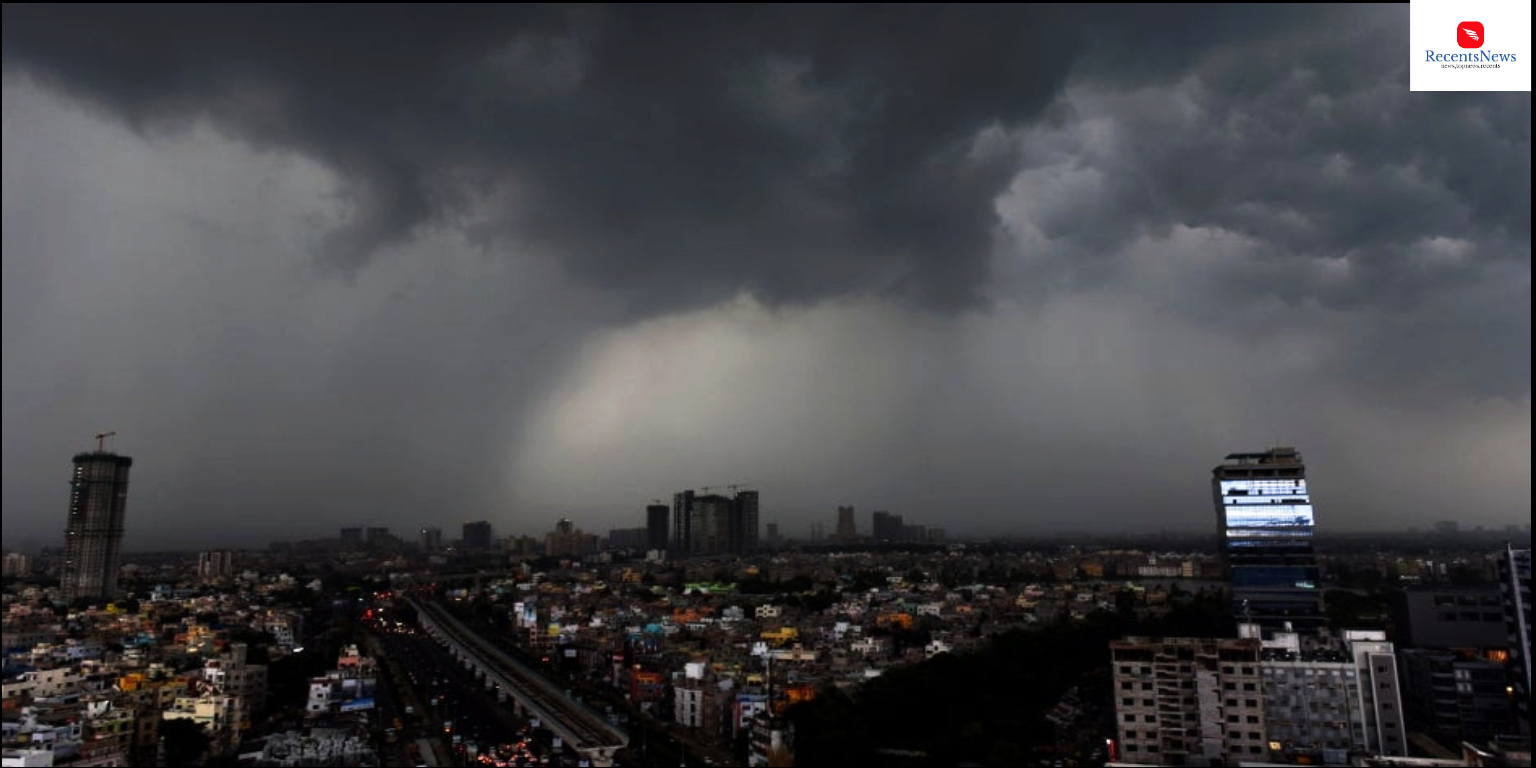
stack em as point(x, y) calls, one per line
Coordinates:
point(1189, 701)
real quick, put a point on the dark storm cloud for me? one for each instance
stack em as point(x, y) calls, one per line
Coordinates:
point(677, 152)
point(1174, 232)
point(682, 152)
point(1353, 196)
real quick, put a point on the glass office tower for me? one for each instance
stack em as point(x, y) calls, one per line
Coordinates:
point(1264, 514)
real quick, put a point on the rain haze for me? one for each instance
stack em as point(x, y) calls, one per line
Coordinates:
point(999, 270)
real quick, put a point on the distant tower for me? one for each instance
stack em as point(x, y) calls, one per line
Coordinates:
point(885, 526)
point(656, 516)
point(215, 564)
point(93, 537)
point(744, 523)
point(847, 529)
point(1265, 524)
point(682, 523)
point(431, 538)
point(477, 535)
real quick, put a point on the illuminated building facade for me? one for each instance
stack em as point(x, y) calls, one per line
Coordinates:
point(1265, 525)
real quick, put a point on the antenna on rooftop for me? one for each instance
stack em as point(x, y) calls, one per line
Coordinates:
point(101, 441)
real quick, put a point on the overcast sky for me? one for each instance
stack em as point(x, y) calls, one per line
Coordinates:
point(1005, 269)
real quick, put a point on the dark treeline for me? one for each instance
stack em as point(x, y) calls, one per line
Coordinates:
point(987, 707)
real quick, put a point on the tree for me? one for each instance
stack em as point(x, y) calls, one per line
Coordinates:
point(183, 741)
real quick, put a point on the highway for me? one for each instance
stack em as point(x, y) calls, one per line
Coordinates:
point(585, 731)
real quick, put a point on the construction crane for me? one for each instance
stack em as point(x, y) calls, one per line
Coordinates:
point(101, 441)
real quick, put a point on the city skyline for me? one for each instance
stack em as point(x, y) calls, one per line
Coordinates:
point(653, 515)
point(522, 263)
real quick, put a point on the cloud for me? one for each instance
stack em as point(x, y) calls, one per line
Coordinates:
point(791, 153)
point(1092, 412)
point(990, 268)
point(163, 289)
point(1274, 188)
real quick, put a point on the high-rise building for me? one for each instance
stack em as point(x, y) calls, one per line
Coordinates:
point(713, 524)
point(17, 564)
point(847, 530)
point(215, 564)
point(569, 541)
point(93, 537)
point(656, 526)
point(637, 539)
point(682, 523)
point(885, 526)
point(477, 535)
point(1189, 701)
point(431, 539)
point(1265, 525)
point(1449, 617)
point(1320, 706)
point(1454, 695)
point(742, 538)
point(1515, 590)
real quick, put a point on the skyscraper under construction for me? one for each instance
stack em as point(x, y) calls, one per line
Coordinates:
point(93, 538)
